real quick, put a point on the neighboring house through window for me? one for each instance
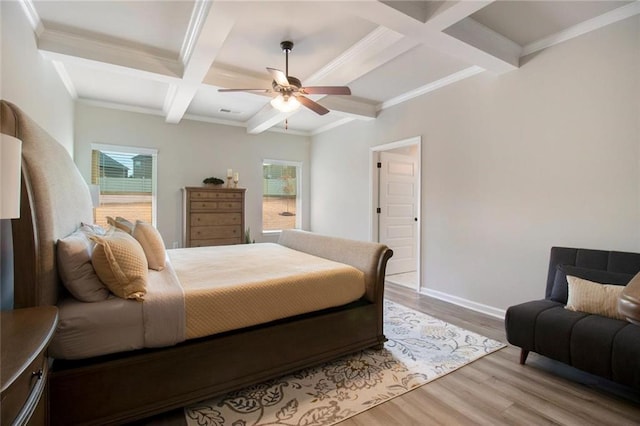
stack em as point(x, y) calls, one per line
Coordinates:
point(127, 180)
point(281, 195)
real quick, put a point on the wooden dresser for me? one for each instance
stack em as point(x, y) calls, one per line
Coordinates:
point(213, 216)
point(26, 333)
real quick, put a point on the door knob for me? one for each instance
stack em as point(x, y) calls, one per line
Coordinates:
point(415, 219)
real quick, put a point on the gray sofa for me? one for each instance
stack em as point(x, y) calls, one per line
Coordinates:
point(599, 345)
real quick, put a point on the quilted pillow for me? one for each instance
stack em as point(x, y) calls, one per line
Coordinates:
point(121, 223)
point(152, 244)
point(559, 291)
point(121, 265)
point(75, 268)
point(594, 298)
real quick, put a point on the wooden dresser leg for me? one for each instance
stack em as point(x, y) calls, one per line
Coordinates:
point(523, 356)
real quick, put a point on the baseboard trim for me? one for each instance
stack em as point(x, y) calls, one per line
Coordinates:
point(465, 303)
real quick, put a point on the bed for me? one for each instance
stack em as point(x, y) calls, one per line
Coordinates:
point(126, 385)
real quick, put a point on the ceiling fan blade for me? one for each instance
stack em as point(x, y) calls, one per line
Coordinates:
point(245, 90)
point(326, 90)
point(312, 105)
point(279, 77)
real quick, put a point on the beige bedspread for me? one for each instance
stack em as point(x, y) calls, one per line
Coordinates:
point(229, 287)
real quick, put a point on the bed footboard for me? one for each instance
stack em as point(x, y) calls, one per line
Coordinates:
point(370, 258)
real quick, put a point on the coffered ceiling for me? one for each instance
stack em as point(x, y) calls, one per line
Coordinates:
point(169, 58)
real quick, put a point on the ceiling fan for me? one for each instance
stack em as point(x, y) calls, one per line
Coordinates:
point(290, 92)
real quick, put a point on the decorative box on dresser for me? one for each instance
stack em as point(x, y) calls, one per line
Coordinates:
point(24, 367)
point(213, 216)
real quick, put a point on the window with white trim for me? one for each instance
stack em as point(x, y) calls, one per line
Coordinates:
point(281, 195)
point(127, 179)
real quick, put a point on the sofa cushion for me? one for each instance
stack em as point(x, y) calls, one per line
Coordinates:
point(559, 291)
point(625, 354)
point(520, 322)
point(591, 344)
point(553, 332)
point(594, 298)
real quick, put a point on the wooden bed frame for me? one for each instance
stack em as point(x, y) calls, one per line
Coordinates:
point(129, 386)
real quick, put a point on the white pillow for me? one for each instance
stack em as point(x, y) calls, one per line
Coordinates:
point(75, 268)
point(593, 298)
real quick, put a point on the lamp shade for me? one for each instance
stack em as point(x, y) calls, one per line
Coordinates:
point(285, 105)
point(10, 162)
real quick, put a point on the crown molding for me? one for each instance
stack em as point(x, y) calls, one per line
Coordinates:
point(66, 79)
point(33, 17)
point(587, 26)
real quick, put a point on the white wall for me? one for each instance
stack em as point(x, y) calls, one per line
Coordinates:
point(511, 165)
point(29, 80)
point(187, 153)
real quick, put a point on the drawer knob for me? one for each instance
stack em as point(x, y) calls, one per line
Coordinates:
point(37, 374)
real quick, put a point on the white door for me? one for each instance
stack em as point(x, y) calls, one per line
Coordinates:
point(397, 218)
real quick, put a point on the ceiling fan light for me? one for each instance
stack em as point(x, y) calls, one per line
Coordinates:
point(285, 105)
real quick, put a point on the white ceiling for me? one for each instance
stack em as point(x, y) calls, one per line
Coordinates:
point(169, 58)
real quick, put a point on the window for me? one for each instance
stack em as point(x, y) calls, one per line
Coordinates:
point(281, 195)
point(127, 180)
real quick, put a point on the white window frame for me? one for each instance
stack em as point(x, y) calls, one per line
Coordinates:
point(154, 170)
point(299, 170)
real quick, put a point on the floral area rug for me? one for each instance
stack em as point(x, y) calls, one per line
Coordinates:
point(420, 349)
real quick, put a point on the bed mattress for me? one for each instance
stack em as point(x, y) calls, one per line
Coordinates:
point(231, 287)
point(205, 291)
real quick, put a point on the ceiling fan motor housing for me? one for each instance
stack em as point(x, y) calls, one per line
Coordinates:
point(286, 46)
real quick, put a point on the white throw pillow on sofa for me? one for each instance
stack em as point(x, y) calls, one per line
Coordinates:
point(593, 298)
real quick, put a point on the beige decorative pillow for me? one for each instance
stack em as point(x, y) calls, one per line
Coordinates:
point(593, 298)
point(152, 244)
point(121, 265)
point(121, 223)
point(75, 268)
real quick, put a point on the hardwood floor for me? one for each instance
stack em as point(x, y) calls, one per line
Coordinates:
point(496, 389)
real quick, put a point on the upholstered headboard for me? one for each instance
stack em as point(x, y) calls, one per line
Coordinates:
point(55, 200)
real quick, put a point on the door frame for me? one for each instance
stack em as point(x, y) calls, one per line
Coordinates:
point(374, 192)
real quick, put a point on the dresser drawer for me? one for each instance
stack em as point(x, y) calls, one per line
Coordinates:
point(19, 399)
point(203, 205)
point(215, 242)
point(216, 219)
point(208, 232)
point(209, 195)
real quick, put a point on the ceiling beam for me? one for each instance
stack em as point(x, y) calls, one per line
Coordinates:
point(350, 107)
point(226, 77)
point(376, 48)
point(265, 119)
point(208, 29)
point(444, 14)
point(499, 58)
point(63, 43)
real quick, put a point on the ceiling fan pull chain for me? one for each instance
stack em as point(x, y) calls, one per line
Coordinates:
point(286, 124)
